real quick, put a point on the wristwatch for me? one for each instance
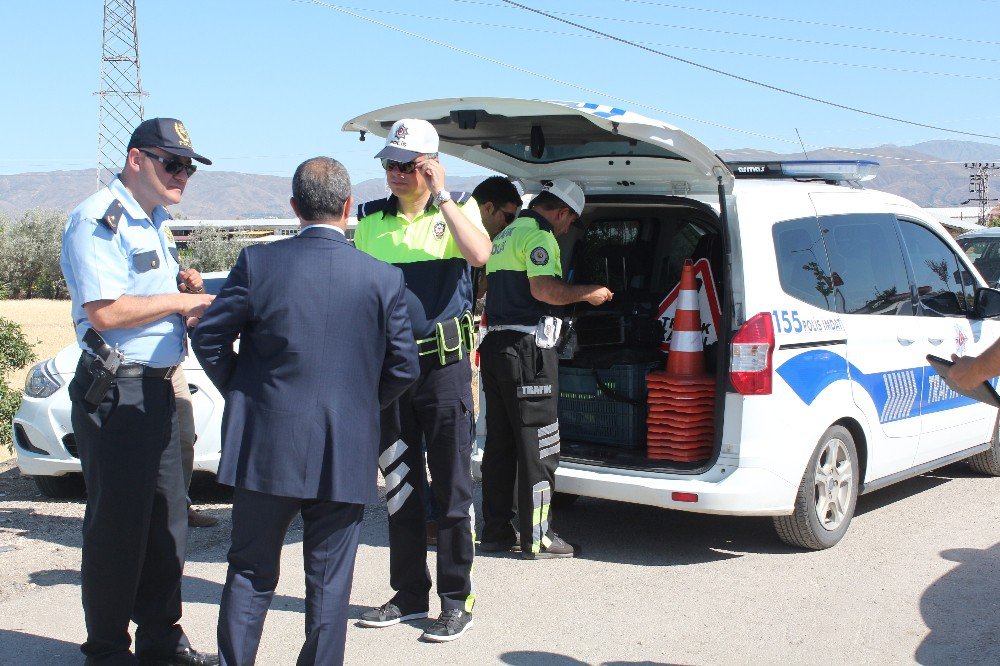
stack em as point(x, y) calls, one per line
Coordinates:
point(441, 197)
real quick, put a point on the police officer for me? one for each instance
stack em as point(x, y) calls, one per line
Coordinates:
point(520, 372)
point(122, 272)
point(433, 235)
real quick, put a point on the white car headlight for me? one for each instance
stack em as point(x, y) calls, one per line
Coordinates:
point(42, 380)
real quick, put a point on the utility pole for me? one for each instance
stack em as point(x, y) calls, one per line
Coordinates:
point(121, 88)
point(979, 184)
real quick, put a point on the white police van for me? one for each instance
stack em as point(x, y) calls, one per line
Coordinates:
point(827, 300)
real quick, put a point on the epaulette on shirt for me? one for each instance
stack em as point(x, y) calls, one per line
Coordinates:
point(112, 216)
point(383, 205)
point(369, 207)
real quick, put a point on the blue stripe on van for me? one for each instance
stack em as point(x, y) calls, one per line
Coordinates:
point(896, 394)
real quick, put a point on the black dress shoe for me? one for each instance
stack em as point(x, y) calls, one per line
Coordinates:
point(187, 658)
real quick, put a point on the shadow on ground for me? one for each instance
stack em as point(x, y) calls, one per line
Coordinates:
point(962, 610)
point(30, 650)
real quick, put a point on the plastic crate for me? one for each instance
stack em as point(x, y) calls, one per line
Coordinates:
point(587, 414)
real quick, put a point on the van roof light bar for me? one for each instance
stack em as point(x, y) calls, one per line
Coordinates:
point(835, 171)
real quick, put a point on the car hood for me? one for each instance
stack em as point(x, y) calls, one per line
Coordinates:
point(605, 149)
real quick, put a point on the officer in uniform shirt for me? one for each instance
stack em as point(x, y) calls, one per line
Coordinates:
point(520, 372)
point(122, 272)
point(433, 235)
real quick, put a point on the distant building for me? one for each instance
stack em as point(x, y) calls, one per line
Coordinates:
point(259, 230)
point(957, 220)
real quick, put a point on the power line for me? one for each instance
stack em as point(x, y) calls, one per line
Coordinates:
point(820, 24)
point(462, 21)
point(751, 81)
point(602, 94)
point(730, 33)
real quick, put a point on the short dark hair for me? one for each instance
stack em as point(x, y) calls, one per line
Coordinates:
point(497, 189)
point(321, 186)
point(548, 201)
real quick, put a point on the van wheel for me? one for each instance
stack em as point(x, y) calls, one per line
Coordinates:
point(988, 462)
point(67, 486)
point(828, 495)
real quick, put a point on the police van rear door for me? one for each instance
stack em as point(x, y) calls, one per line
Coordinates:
point(606, 149)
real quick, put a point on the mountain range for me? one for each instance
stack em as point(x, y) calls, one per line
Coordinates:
point(930, 174)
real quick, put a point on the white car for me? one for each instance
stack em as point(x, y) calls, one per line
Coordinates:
point(43, 433)
point(983, 249)
point(819, 302)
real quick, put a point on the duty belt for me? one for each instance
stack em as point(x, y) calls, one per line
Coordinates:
point(450, 336)
point(132, 370)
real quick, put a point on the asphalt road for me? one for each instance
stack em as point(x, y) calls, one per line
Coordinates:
point(917, 579)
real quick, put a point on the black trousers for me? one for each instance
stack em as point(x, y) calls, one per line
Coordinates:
point(329, 547)
point(521, 386)
point(135, 525)
point(438, 410)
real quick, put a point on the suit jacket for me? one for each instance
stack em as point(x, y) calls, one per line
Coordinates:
point(325, 343)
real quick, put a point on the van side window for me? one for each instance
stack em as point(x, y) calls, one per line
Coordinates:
point(869, 270)
point(944, 287)
point(803, 267)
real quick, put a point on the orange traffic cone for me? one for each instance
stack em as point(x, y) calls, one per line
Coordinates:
point(680, 425)
point(686, 355)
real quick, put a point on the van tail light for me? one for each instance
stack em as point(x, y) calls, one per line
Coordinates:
point(750, 363)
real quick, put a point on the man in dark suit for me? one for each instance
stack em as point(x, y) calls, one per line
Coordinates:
point(325, 342)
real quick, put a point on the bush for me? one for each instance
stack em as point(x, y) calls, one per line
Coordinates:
point(30, 248)
point(15, 353)
point(213, 249)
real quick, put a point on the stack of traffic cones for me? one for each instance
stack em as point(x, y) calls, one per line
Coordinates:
point(681, 421)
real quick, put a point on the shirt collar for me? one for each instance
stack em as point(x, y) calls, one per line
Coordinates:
point(543, 224)
point(132, 207)
point(323, 226)
point(392, 207)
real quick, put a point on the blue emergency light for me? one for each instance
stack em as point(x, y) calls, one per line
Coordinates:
point(835, 171)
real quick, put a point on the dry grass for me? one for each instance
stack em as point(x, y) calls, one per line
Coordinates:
point(47, 327)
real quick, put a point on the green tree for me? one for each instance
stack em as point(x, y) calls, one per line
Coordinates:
point(213, 249)
point(15, 353)
point(29, 255)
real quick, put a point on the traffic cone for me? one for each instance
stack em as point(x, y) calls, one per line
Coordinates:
point(686, 356)
point(680, 424)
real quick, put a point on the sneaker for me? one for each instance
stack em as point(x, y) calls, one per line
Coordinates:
point(198, 519)
point(558, 548)
point(388, 614)
point(509, 545)
point(450, 625)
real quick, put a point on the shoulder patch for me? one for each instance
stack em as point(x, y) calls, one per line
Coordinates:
point(460, 197)
point(112, 216)
point(369, 207)
point(539, 256)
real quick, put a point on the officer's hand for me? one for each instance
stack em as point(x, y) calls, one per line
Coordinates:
point(432, 172)
point(963, 373)
point(599, 296)
point(196, 304)
point(191, 281)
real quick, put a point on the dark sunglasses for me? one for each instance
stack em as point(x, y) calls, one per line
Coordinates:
point(507, 216)
point(404, 167)
point(173, 166)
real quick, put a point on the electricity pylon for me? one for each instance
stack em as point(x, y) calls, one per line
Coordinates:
point(121, 88)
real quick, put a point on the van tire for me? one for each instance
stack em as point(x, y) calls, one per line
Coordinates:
point(988, 462)
point(805, 527)
point(67, 486)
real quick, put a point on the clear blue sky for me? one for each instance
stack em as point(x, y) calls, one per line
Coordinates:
point(264, 84)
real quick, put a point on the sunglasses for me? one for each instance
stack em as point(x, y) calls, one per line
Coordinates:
point(173, 166)
point(508, 217)
point(403, 167)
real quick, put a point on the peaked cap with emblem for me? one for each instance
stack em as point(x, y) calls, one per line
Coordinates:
point(167, 134)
